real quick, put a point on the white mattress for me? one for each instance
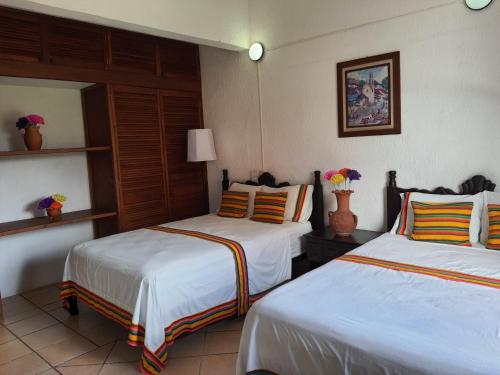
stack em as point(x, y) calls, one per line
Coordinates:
point(161, 277)
point(295, 232)
point(351, 318)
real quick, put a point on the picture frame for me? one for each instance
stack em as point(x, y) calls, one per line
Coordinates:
point(369, 96)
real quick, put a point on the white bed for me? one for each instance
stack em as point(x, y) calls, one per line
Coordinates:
point(156, 278)
point(351, 318)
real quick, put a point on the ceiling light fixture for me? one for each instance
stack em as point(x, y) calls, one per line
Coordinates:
point(256, 51)
point(477, 4)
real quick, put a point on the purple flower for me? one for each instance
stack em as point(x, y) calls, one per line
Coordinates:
point(22, 123)
point(45, 203)
point(353, 175)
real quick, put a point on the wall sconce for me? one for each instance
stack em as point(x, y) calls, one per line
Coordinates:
point(256, 51)
point(477, 4)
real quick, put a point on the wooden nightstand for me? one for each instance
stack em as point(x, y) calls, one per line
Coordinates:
point(323, 245)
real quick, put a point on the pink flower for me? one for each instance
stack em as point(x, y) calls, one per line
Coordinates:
point(35, 119)
point(329, 174)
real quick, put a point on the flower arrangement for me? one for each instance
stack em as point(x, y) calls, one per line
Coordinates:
point(342, 178)
point(30, 121)
point(54, 202)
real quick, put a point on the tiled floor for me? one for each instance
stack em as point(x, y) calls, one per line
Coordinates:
point(38, 337)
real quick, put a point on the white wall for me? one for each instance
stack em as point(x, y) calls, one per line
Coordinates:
point(34, 259)
point(221, 23)
point(450, 100)
point(231, 109)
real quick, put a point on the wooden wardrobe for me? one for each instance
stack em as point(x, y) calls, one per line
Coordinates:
point(147, 95)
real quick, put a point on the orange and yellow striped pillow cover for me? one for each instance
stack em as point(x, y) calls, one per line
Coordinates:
point(493, 227)
point(269, 207)
point(442, 222)
point(234, 204)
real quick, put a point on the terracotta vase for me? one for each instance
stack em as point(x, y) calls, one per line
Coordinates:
point(54, 213)
point(343, 221)
point(32, 138)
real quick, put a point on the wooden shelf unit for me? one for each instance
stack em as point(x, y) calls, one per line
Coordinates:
point(36, 223)
point(54, 151)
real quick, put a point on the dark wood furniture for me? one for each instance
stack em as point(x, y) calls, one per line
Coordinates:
point(323, 245)
point(147, 95)
point(473, 185)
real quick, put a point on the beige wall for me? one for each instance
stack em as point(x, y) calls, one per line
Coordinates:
point(34, 259)
point(450, 97)
point(221, 23)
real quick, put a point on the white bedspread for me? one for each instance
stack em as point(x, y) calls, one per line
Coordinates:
point(349, 318)
point(161, 277)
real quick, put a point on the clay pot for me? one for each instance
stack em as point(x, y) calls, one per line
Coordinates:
point(343, 221)
point(54, 213)
point(32, 138)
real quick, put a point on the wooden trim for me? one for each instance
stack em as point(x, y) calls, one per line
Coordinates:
point(54, 151)
point(163, 141)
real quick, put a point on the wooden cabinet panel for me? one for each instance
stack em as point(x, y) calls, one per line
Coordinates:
point(133, 52)
point(186, 181)
point(179, 60)
point(140, 157)
point(73, 43)
point(20, 36)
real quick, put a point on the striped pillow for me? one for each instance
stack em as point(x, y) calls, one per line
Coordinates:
point(493, 227)
point(442, 222)
point(234, 204)
point(301, 200)
point(269, 207)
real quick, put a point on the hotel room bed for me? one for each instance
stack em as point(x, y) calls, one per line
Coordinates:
point(164, 281)
point(392, 306)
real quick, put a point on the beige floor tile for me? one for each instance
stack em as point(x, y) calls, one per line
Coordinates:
point(32, 324)
point(65, 350)
point(227, 325)
point(29, 364)
point(12, 299)
point(122, 352)
point(104, 333)
point(43, 296)
point(222, 342)
point(49, 372)
point(13, 350)
point(80, 370)
point(182, 366)
point(5, 335)
point(120, 368)
point(19, 310)
point(95, 357)
point(222, 364)
point(188, 346)
point(48, 336)
point(53, 306)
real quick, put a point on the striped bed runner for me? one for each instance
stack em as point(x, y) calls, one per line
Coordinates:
point(153, 362)
point(434, 272)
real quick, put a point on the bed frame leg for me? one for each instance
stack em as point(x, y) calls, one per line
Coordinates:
point(73, 305)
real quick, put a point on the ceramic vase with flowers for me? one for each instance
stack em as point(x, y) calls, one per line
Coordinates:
point(30, 127)
point(53, 206)
point(342, 221)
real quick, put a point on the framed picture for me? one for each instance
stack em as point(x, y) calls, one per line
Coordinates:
point(369, 96)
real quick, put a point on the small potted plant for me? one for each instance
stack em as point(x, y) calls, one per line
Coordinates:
point(343, 222)
point(52, 205)
point(29, 126)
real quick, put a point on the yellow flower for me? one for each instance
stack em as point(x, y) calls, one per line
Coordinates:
point(59, 198)
point(337, 179)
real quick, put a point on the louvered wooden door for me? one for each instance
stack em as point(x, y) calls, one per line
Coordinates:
point(139, 155)
point(20, 36)
point(187, 185)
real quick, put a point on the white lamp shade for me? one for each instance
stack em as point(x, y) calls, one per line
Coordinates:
point(201, 145)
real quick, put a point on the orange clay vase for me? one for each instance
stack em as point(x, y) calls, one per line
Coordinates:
point(343, 221)
point(54, 214)
point(32, 138)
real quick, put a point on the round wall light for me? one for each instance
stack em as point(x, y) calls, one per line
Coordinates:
point(477, 4)
point(256, 51)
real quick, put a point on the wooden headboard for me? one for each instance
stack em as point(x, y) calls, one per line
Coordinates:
point(473, 185)
point(317, 217)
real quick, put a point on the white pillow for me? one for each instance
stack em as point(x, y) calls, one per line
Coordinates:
point(489, 197)
point(236, 186)
point(475, 222)
point(298, 203)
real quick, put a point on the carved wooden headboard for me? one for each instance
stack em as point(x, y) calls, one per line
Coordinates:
point(317, 216)
point(473, 185)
